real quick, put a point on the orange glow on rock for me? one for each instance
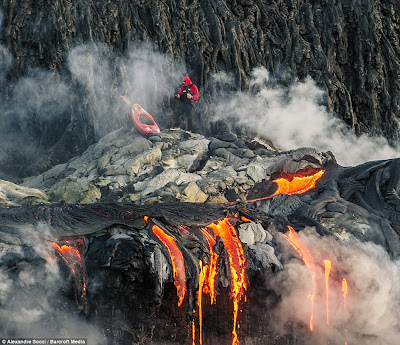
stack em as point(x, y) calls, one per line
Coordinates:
point(178, 263)
point(237, 263)
point(308, 260)
point(328, 266)
point(296, 184)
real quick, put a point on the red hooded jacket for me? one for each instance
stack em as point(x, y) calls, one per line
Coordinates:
point(191, 87)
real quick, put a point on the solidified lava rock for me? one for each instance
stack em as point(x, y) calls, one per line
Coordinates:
point(349, 48)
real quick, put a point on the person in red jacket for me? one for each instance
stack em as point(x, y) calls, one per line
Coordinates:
point(189, 90)
point(188, 94)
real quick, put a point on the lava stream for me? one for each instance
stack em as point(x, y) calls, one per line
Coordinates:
point(345, 292)
point(202, 275)
point(237, 263)
point(211, 270)
point(296, 185)
point(308, 260)
point(70, 253)
point(328, 266)
point(178, 264)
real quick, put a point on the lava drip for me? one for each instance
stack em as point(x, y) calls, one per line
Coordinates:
point(237, 262)
point(328, 266)
point(308, 260)
point(345, 292)
point(177, 260)
point(211, 268)
point(203, 272)
point(294, 184)
point(71, 253)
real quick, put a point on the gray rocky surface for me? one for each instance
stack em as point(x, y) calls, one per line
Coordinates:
point(178, 166)
point(99, 200)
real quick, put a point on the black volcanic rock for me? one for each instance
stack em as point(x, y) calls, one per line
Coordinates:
point(351, 49)
point(122, 287)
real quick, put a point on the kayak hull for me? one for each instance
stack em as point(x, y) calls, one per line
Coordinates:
point(138, 116)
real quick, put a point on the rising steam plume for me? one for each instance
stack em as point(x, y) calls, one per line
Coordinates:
point(372, 313)
point(295, 116)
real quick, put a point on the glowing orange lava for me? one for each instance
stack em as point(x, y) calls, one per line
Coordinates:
point(295, 185)
point(193, 333)
point(328, 266)
point(202, 276)
point(308, 260)
point(208, 273)
point(244, 219)
point(178, 264)
point(345, 292)
point(211, 269)
point(69, 254)
point(72, 256)
point(237, 263)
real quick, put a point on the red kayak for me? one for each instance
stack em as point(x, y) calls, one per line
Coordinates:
point(143, 121)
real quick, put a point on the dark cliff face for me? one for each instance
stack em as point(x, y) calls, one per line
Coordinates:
point(350, 48)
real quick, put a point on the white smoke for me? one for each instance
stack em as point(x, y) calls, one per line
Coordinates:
point(43, 101)
point(372, 314)
point(30, 304)
point(144, 75)
point(293, 117)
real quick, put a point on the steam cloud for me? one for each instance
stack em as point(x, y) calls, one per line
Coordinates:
point(30, 303)
point(294, 117)
point(44, 102)
point(144, 75)
point(373, 308)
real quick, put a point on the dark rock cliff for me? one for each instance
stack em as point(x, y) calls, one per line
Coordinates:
point(350, 48)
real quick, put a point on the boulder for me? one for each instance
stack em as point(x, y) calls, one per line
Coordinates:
point(192, 193)
point(228, 136)
point(142, 160)
point(12, 194)
point(167, 176)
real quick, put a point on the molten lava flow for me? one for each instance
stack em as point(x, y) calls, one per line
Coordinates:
point(202, 275)
point(178, 264)
point(211, 269)
point(345, 292)
point(244, 219)
point(193, 333)
point(70, 253)
point(295, 185)
point(328, 266)
point(308, 260)
point(237, 263)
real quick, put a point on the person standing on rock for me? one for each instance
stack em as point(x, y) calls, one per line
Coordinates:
point(188, 94)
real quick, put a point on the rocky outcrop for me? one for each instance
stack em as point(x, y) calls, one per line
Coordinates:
point(12, 194)
point(173, 165)
point(350, 48)
point(86, 239)
point(179, 166)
